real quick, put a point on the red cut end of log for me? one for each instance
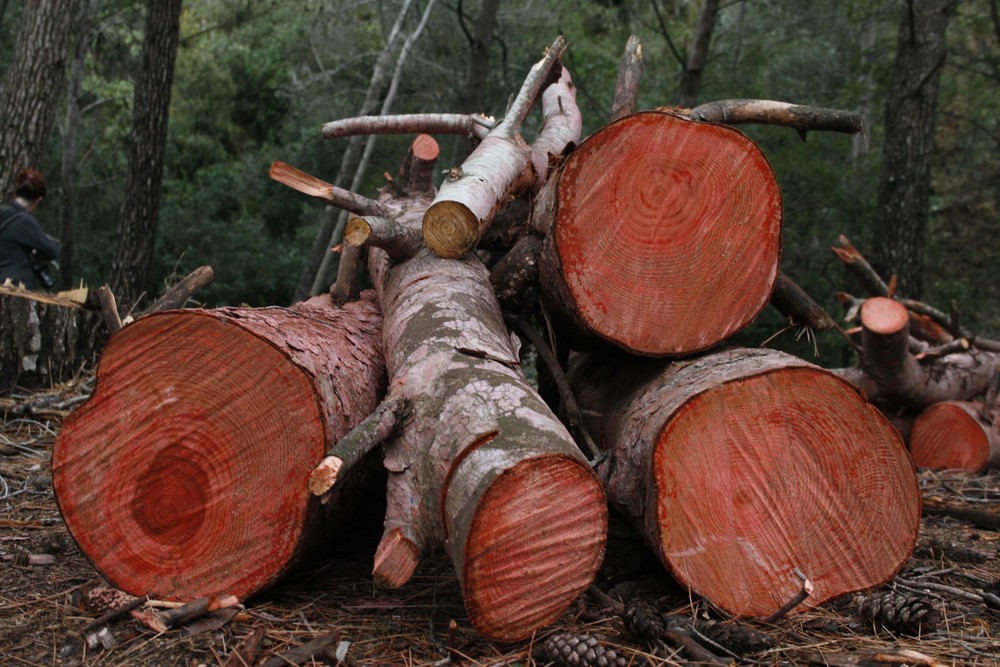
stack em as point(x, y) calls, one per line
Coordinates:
point(425, 148)
point(786, 470)
point(535, 544)
point(947, 436)
point(186, 472)
point(884, 316)
point(668, 232)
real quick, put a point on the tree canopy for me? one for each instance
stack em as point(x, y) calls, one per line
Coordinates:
point(254, 82)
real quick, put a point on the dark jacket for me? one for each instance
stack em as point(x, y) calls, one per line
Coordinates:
point(20, 233)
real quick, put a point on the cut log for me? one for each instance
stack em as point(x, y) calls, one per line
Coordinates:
point(662, 234)
point(743, 466)
point(890, 373)
point(185, 474)
point(478, 463)
point(955, 435)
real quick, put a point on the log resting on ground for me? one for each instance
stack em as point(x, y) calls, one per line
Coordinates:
point(477, 463)
point(890, 373)
point(662, 234)
point(956, 435)
point(185, 473)
point(744, 465)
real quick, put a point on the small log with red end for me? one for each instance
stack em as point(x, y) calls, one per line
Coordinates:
point(956, 435)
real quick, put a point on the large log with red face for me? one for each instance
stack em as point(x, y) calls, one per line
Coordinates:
point(185, 474)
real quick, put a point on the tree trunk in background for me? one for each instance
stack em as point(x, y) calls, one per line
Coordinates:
point(32, 85)
point(689, 82)
point(83, 24)
point(470, 97)
point(328, 228)
point(327, 273)
point(147, 144)
point(905, 183)
point(866, 84)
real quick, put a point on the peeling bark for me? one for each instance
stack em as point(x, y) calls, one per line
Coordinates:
point(478, 463)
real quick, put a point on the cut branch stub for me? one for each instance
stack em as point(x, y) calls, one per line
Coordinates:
point(954, 435)
point(742, 466)
point(889, 372)
point(185, 473)
point(663, 234)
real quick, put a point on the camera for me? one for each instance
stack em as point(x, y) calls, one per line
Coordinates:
point(41, 269)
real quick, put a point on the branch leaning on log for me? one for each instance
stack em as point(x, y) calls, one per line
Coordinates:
point(742, 466)
point(185, 473)
point(477, 462)
point(768, 112)
point(889, 372)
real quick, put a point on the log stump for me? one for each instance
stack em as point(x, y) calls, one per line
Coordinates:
point(743, 466)
point(662, 234)
point(955, 435)
point(185, 474)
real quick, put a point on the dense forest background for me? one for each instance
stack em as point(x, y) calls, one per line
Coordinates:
point(255, 80)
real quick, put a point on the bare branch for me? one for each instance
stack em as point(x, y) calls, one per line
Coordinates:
point(477, 125)
point(770, 112)
point(629, 76)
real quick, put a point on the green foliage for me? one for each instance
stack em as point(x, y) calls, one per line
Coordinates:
point(255, 81)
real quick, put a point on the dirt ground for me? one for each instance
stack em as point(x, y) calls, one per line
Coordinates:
point(47, 594)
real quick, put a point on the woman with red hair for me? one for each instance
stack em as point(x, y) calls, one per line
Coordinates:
point(24, 246)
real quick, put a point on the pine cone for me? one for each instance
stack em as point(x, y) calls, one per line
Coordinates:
point(569, 650)
point(898, 612)
point(102, 599)
point(644, 621)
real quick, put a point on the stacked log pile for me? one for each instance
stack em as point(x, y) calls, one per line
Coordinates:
point(760, 481)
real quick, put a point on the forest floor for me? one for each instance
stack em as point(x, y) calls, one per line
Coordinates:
point(49, 591)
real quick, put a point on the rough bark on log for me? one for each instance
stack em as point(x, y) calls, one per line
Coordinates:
point(479, 464)
point(889, 372)
point(185, 473)
point(662, 234)
point(955, 435)
point(742, 466)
